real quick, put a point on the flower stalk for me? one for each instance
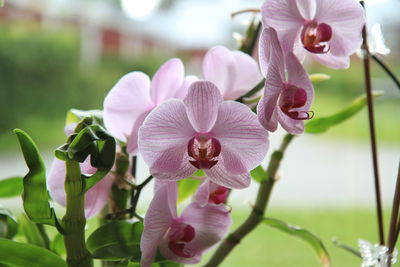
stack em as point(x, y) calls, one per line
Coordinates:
point(368, 90)
point(74, 220)
point(257, 213)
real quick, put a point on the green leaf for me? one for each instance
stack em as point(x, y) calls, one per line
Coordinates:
point(187, 187)
point(57, 245)
point(319, 77)
point(116, 240)
point(76, 115)
point(8, 224)
point(11, 187)
point(303, 234)
point(321, 125)
point(259, 174)
point(35, 196)
point(18, 254)
point(31, 232)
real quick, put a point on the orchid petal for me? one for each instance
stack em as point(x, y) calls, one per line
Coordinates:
point(202, 102)
point(271, 48)
point(167, 81)
point(95, 198)
point(247, 75)
point(244, 142)
point(285, 17)
point(182, 92)
point(126, 101)
point(346, 17)
point(298, 76)
point(157, 220)
point(219, 68)
point(332, 61)
point(132, 142)
point(210, 222)
point(203, 193)
point(219, 175)
point(163, 140)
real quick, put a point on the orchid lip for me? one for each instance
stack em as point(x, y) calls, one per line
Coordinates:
point(203, 149)
point(293, 97)
point(181, 234)
point(316, 36)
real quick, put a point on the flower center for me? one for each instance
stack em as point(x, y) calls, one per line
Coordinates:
point(219, 195)
point(180, 234)
point(203, 149)
point(315, 37)
point(293, 97)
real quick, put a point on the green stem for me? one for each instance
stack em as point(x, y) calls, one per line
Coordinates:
point(257, 213)
point(74, 220)
point(372, 131)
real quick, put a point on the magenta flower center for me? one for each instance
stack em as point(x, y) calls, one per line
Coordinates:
point(203, 150)
point(291, 98)
point(219, 195)
point(315, 37)
point(180, 234)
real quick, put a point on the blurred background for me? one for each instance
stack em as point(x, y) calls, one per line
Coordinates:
point(59, 54)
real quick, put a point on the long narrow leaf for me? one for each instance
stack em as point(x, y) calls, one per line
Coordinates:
point(35, 196)
point(323, 124)
point(304, 235)
point(18, 254)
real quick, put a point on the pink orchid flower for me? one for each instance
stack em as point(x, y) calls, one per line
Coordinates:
point(233, 72)
point(285, 100)
point(328, 30)
point(95, 199)
point(203, 131)
point(181, 239)
point(211, 193)
point(134, 96)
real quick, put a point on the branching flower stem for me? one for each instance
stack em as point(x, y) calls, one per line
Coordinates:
point(387, 70)
point(368, 90)
point(257, 213)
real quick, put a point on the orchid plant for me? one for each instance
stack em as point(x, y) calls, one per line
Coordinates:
point(199, 136)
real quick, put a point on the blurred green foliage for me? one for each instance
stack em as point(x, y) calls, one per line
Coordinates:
point(41, 79)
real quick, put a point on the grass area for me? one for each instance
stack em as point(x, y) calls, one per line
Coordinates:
point(269, 247)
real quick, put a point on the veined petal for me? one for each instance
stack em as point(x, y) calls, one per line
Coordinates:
point(219, 175)
point(203, 193)
point(202, 102)
point(157, 220)
point(163, 140)
point(167, 81)
point(270, 49)
point(210, 222)
point(242, 137)
point(346, 17)
point(126, 101)
point(285, 17)
point(298, 76)
point(290, 125)
point(219, 68)
point(132, 142)
point(332, 61)
point(266, 109)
